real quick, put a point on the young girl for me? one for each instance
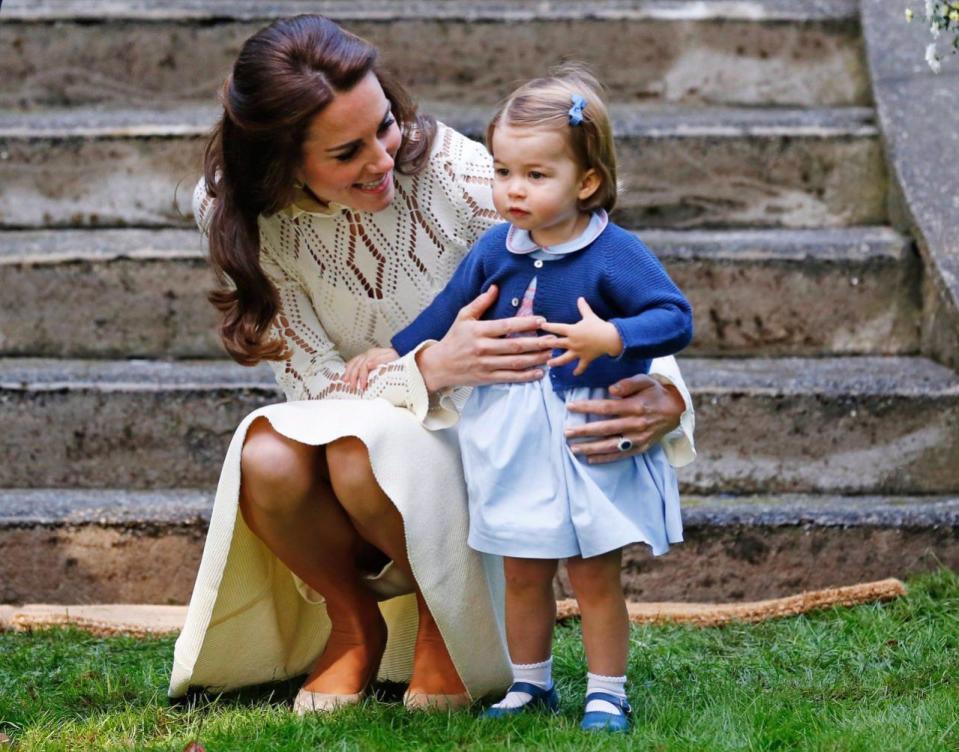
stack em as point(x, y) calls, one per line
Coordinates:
point(611, 308)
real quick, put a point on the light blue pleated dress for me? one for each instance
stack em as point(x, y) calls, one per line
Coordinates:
point(529, 495)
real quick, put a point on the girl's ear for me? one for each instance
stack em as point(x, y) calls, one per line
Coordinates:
point(589, 184)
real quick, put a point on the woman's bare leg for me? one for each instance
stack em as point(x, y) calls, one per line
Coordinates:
point(287, 502)
point(378, 521)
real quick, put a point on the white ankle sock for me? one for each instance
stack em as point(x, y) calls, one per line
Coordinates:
point(613, 685)
point(538, 674)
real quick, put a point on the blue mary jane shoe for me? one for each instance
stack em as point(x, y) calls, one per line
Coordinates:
point(543, 699)
point(598, 720)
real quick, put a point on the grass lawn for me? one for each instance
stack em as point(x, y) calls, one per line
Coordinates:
point(874, 677)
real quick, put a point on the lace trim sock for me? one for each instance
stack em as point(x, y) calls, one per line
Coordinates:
point(614, 685)
point(539, 674)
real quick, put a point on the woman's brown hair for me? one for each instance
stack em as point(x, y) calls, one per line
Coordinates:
point(284, 75)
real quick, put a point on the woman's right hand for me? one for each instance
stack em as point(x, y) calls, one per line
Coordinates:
point(477, 352)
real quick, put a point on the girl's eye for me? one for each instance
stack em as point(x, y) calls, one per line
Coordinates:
point(502, 172)
point(536, 175)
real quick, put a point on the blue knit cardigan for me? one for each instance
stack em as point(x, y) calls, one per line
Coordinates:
point(623, 282)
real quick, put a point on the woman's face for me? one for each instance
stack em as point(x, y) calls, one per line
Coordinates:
point(350, 147)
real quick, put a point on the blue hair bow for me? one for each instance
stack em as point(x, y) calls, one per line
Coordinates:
point(576, 111)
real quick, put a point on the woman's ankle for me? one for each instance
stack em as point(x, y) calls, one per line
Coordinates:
point(433, 668)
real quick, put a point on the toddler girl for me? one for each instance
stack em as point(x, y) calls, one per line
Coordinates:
point(611, 308)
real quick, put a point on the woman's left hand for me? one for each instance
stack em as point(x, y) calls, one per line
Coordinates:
point(358, 369)
point(645, 412)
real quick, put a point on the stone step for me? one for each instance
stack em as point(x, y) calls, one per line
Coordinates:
point(829, 425)
point(111, 545)
point(142, 293)
point(779, 52)
point(680, 167)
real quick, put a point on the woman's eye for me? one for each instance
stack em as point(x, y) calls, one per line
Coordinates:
point(346, 156)
point(385, 125)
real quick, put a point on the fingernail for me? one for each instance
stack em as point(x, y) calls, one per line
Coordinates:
point(540, 320)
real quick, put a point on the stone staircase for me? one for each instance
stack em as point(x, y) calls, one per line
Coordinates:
point(752, 163)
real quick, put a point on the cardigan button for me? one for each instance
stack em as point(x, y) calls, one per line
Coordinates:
point(538, 263)
point(515, 302)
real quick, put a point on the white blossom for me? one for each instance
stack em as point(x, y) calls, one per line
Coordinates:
point(932, 58)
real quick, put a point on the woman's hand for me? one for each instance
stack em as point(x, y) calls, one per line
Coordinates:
point(587, 339)
point(357, 373)
point(646, 411)
point(478, 352)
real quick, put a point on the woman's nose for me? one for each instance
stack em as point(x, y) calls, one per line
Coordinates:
point(383, 160)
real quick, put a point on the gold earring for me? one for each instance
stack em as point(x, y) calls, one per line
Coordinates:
point(298, 184)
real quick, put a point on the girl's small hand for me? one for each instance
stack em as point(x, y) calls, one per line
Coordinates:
point(587, 339)
point(358, 369)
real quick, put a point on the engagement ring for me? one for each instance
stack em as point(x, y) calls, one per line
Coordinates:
point(624, 444)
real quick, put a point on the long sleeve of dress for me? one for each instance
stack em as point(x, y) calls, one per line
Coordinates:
point(315, 367)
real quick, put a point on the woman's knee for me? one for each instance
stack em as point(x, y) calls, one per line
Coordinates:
point(276, 472)
point(353, 482)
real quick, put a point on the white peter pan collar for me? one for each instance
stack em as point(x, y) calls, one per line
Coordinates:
point(519, 241)
point(303, 203)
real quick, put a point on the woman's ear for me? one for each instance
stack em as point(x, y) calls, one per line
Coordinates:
point(589, 184)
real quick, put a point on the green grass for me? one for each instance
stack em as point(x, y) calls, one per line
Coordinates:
point(875, 678)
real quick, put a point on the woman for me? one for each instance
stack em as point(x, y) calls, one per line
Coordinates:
point(334, 214)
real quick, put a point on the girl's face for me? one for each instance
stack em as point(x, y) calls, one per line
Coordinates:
point(350, 147)
point(537, 182)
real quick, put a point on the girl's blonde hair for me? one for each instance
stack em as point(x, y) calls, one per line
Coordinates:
point(546, 102)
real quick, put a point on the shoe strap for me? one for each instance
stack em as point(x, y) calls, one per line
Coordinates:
point(530, 689)
point(620, 702)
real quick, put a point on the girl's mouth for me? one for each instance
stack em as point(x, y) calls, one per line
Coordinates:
point(377, 186)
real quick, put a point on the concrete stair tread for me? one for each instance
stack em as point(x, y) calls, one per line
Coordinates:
point(157, 281)
point(831, 244)
point(52, 507)
point(116, 546)
point(471, 10)
point(176, 507)
point(866, 375)
point(900, 376)
point(629, 121)
point(680, 167)
point(64, 374)
point(748, 52)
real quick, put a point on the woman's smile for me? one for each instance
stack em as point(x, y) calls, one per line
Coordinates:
point(379, 185)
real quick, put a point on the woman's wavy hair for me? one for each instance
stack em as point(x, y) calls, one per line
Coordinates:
point(545, 103)
point(284, 75)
